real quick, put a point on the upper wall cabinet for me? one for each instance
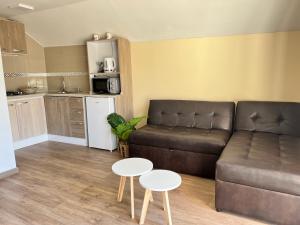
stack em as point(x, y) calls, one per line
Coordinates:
point(12, 37)
point(119, 49)
point(98, 51)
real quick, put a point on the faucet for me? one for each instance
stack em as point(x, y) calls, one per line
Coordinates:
point(63, 88)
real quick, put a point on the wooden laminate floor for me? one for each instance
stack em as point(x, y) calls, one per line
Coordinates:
point(67, 184)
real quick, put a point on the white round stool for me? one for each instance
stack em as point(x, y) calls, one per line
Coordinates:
point(162, 181)
point(130, 167)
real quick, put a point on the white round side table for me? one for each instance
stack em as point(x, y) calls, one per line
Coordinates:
point(162, 181)
point(130, 167)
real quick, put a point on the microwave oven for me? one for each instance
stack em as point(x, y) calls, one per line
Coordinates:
point(106, 85)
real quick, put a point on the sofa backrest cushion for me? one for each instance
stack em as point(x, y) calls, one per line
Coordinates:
point(196, 114)
point(272, 117)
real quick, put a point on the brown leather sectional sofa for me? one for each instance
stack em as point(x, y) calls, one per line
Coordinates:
point(258, 173)
point(184, 136)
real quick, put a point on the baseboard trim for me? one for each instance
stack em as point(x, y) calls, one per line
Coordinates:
point(49, 137)
point(9, 173)
point(30, 141)
point(67, 140)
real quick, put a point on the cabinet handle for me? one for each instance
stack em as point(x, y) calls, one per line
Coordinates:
point(11, 105)
point(79, 112)
point(17, 50)
point(22, 103)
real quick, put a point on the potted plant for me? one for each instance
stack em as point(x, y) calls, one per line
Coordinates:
point(122, 129)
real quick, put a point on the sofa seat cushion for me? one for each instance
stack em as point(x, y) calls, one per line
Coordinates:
point(262, 160)
point(181, 138)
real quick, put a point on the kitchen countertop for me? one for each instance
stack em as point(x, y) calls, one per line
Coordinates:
point(30, 96)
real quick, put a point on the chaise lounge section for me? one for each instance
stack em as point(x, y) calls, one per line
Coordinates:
point(184, 136)
point(258, 173)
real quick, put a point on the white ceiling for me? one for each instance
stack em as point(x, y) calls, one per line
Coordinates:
point(8, 7)
point(141, 20)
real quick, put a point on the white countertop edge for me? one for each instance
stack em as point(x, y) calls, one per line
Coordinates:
point(38, 95)
point(53, 74)
point(24, 97)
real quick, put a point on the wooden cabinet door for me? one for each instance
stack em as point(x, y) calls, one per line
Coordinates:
point(58, 116)
point(39, 117)
point(76, 108)
point(64, 116)
point(52, 117)
point(13, 121)
point(25, 119)
point(16, 32)
point(4, 37)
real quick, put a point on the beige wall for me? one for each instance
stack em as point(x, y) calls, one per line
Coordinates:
point(32, 62)
point(51, 59)
point(67, 59)
point(256, 67)
point(72, 83)
point(14, 83)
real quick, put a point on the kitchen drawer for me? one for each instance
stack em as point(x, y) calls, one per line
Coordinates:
point(77, 115)
point(76, 103)
point(77, 129)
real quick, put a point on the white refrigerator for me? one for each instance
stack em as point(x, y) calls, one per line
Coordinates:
point(99, 131)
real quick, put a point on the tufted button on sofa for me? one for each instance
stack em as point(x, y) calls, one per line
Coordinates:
point(184, 136)
point(258, 173)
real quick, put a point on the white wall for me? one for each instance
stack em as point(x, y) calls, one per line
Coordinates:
point(7, 155)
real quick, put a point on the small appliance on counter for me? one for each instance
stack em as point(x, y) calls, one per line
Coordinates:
point(13, 93)
point(106, 85)
point(22, 91)
point(28, 90)
point(110, 65)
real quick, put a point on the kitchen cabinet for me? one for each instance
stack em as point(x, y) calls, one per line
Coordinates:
point(119, 49)
point(27, 118)
point(13, 121)
point(57, 114)
point(39, 118)
point(51, 108)
point(65, 116)
point(12, 37)
point(77, 125)
point(4, 37)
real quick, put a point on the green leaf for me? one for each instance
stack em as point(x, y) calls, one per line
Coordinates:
point(114, 130)
point(115, 119)
point(122, 131)
point(134, 121)
point(125, 135)
point(120, 127)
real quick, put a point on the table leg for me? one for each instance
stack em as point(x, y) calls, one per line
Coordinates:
point(167, 207)
point(164, 201)
point(121, 188)
point(132, 197)
point(145, 206)
point(151, 197)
